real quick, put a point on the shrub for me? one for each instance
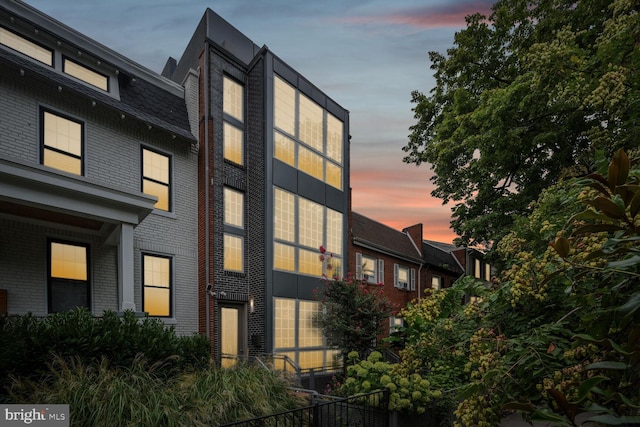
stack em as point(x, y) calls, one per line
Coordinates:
point(101, 395)
point(407, 393)
point(32, 342)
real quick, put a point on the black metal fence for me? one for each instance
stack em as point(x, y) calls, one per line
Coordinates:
point(363, 410)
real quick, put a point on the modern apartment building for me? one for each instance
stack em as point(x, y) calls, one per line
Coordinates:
point(272, 189)
point(98, 175)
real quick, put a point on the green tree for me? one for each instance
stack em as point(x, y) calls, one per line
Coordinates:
point(523, 98)
point(352, 311)
point(559, 335)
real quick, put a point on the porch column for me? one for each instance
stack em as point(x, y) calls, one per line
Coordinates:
point(125, 268)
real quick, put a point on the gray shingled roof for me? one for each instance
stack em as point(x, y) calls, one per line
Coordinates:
point(378, 236)
point(440, 255)
point(141, 100)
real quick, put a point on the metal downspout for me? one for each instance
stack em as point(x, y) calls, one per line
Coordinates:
point(207, 241)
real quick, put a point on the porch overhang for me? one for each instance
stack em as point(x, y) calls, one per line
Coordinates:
point(37, 192)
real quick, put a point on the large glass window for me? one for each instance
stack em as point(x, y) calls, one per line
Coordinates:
point(68, 278)
point(307, 136)
point(301, 226)
point(156, 177)
point(233, 207)
point(233, 145)
point(85, 74)
point(233, 253)
point(233, 133)
point(233, 99)
point(298, 334)
point(156, 280)
point(26, 47)
point(62, 143)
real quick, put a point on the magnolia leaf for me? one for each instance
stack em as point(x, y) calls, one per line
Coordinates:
point(586, 387)
point(625, 263)
point(607, 365)
point(603, 342)
point(627, 192)
point(599, 187)
point(567, 408)
point(589, 214)
point(612, 420)
point(562, 246)
point(599, 178)
point(628, 308)
point(607, 207)
point(597, 228)
point(618, 169)
point(634, 205)
point(546, 415)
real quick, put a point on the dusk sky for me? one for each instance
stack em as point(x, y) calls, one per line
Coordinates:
point(368, 55)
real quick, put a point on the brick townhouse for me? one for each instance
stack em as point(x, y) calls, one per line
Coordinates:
point(407, 266)
point(97, 166)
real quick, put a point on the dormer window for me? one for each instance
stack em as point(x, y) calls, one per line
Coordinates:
point(85, 74)
point(26, 47)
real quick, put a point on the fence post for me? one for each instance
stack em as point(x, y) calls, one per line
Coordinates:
point(316, 422)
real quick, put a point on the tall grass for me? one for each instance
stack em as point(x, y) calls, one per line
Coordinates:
point(100, 395)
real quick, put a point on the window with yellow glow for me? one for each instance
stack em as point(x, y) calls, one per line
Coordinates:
point(310, 163)
point(233, 207)
point(156, 177)
point(85, 74)
point(334, 138)
point(285, 323)
point(311, 123)
point(306, 136)
point(156, 279)
point(311, 216)
point(301, 226)
point(284, 257)
point(233, 253)
point(62, 143)
point(298, 334)
point(233, 146)
point(285, 106)
point(68, 276)
point(233, 98)
point(26, 47)
point(285, 149)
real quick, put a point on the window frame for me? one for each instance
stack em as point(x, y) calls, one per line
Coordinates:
point(79, 64)
point(377, 265)
point(33, 42)
point(297, 349)
point(170, 288)
point(411, 277)
point(51, 279)
point(230, 120)
point(227, 204)
point(288, 225)
point(438, 282)
point(240, 257)
point(170, 178)
point(322, 154)
point(43, 146)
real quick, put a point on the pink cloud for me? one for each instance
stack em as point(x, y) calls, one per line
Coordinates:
point(442, 16)
point(398, 195)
